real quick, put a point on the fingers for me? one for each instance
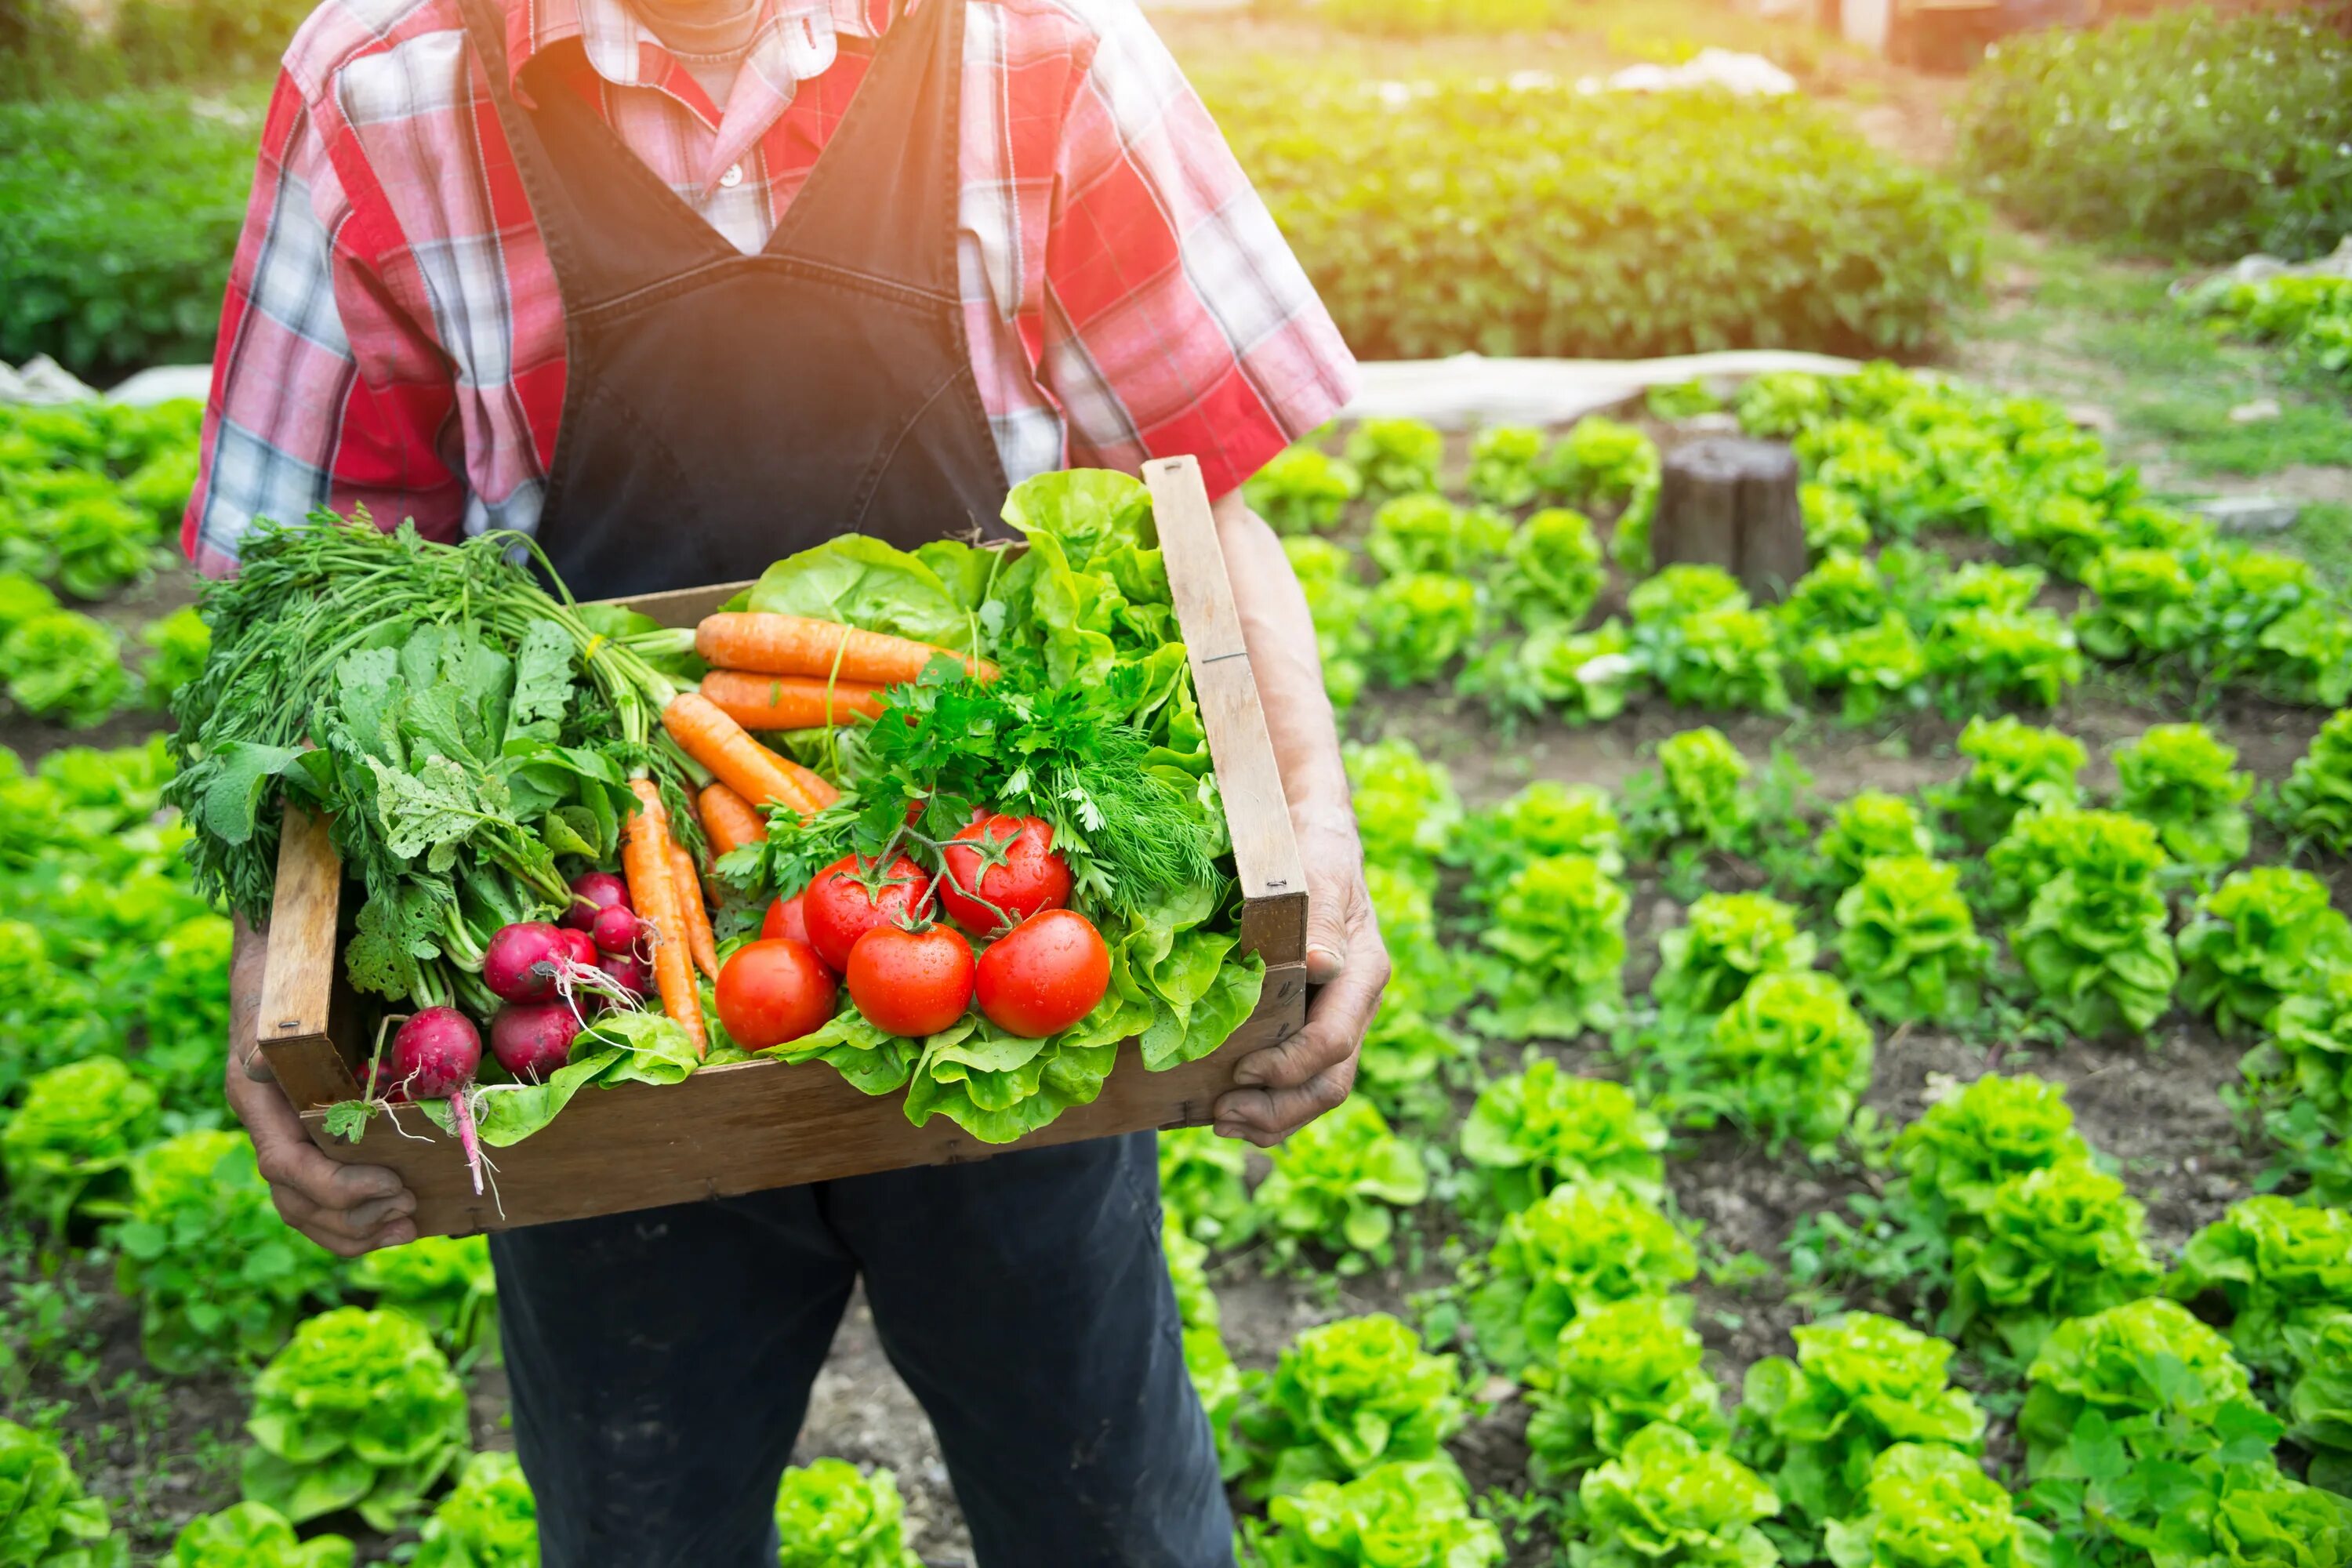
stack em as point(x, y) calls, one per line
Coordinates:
point(1286, 1086)
point(1334, 861)
point(347, 1209)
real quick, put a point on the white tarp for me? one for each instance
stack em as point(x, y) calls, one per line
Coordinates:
point(1469, 390)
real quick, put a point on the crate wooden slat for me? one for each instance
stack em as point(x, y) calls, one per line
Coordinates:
point(747, 1126)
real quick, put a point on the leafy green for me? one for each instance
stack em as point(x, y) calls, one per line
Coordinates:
point(1924, 1506)
point(2094, 939)
point(1982, 658)
point(1867, 825)
point(444, 1283)
point(1696, 633)
point(2307, 1056)
point(1395, 456)
point(1414, 1513)
point(1216, 1380)
point(67, 1148)
point(179, 643)
point(2281, 1266)
point(1544, 818)
point(1558, 938)
point(1417, 624)
point(2179, 778)
point(254, 1535)
point(2058, 1243)
point(830, 1516)
point(1579, 1247)
point(1335, 600)
point(1869, 669)
point(1337, 1181)
point(1618, 1369)
point(45, 1520)
point(1705, 799)
point(490, 1520)
point(1406, 808)
point(2013, 765)
point(1346, 1398)
point(2147, 604)
point(1552, 572)
point(1425, 533)
point(1302, 490)
point(1787, 1059)
point(1503, 462)
point(1965, 1148)
point(2317, 796)
point(1532, 1131)
point(1603, 466)
point(2259, 938)
point(1201, 1186)
point(1724, 942)
point(1581, 677)
point(2319, 1401)
point(1669, 1501)
point(1909, 946)
point(64, 665)
point(359, 1411)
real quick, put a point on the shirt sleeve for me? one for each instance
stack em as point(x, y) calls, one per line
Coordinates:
point(1177, 319)
point(325, 392)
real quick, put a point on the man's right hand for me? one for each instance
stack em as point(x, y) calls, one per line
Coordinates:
point(347, 1209)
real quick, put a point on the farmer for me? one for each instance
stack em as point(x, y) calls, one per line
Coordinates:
point(682, 287)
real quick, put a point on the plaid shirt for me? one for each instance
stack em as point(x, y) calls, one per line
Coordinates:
point(393, 335)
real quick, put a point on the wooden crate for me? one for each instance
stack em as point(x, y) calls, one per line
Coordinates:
point(747, 1126)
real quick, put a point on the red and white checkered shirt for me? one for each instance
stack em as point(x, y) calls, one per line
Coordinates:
point(393, 335)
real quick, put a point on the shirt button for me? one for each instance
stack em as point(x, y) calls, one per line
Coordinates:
point(732, 177)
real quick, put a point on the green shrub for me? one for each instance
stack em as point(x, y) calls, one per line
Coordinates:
point(1398, 1514)
point(1552, 573)
point(120, 216)
point(1337, 1181)
point(1868, 825)
point(1869, 670)
point(1909, 947)
point(219, 1277)
point(67, 1148)
point(1546, 817)
point(177, 644)
point(2261, 936)
point(444, 1283)
point(1786, 1059)
point(361, 1410)
point(1698, 636)
point(1406, 808)
point(46, 1520)
point(1724, 942)
point(1580, 678)
point(1416, 625)
point(2059, 1243)
point(2096, 937)
point(1705, 797)
point(1669, 1501)
point(2307, 1054)
point(1426, 532)
point(2317, 796)
point(1543, 221)
point(254, 1535)
point(1335, 601)
point(66, 665)
point(1531, 1130)
point(1202, 1187)
point(2013, 765)
point(1302, 490)
point(1503, 463)
point(1619, 1368)
point(1346, 1398)
point(1558, 941)
point(2281, 1266)
point(1576, 1248)
point(1964, 1149)
point(1860, 1385)
point(2182, 779)
point(1982, 658)
point(1924, 1506)
point(1395, 456)
point(829, 1515)
point(2212, 136)
point(2309, 317)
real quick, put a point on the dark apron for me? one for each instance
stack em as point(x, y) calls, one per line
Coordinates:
point(721, 411)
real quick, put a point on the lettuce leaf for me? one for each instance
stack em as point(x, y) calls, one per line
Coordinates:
point(868, 584)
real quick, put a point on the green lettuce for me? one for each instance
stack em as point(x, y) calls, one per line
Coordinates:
point(254, 1535)
point(1546, 817)
point(1964, 1148)
point(1552, 572)
point(66, 1149)
point(1216, 1380)
point(1337, 1181)
point(2317, 796)
point(1346, 1398)
point(1929, 1507)
point(2056, 1243)
point(1706, 797)
point(1397, 1515)
point(1909, 944)
point(2096, 938)
point(1406, 807)
point(1669, 1501)
point(46, 1519)
point(2281, 1266)
point(1615, 1370)
point(489, 1519)
point(1558, 941)
point(828, 1515)
point(1724, 942)
point(2259, 938)
point(1531, 1130)
point(1788, 1058)
point(1396, 456)
point(1578, 1248)
point(1868, 825)
point(2184, 782)
point(863, 582)
point(1202, 1185)
point(1429, 534)
point(1302, 490)
point(444, 1283)
point(1503, 463)
point(2012, 766)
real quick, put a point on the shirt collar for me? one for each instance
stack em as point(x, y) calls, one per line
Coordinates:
point(796, 39)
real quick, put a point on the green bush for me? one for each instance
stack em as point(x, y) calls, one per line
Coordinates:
point(1558, 946)
point(1337, 1181)
point(67, 1148)
point(1924, 1506)
point(2056, 1243)
point(1701, 793)
point(1531, 1130)
point(2212, 136)
point(118, 219)
point(45, 1520)
point(1546, 817)
point(1398, 1513)
point(1345, 1398)
point(444, 1283)
point(2264, 935)
point(219, 1277)
point(1963, 1149)
point(360, 1410)
point(1786, 1059)
point(2317, 796)
point(1910, 947)
point(2281, 1266)
point(1724, 942)
point(1619, 1368)
point(1669, 1501)
point(1302, 490)
point(1546, 221)
point(1868, 825)
point(254, 1535)
point(2182, 779)
point(1577, 1248)
point(1395, 456)
point(829, 1515)
point(2012, 766)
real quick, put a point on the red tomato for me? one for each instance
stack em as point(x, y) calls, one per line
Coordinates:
point(910, 983)
point(785, 919)
point(771, 991)
point(1045, 976)
point(839, 907)
point(1010, 862)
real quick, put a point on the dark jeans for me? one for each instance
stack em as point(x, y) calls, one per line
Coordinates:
point(660, 1362)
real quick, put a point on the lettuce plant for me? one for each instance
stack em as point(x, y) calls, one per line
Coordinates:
point(1870, 669)
point(1786, 1059)
point(2248, 1514)
point(1216, 1380)
point(1532, 1131)
point(830, 1515)
point(1546, 817)
point(1346, 1398)
point(1302, 490)
point(1552, 572)
point(1437, 979)
point(1201, 1188)
point(1842, 593)
point(1860, 1385)
point(1963, 1149)
point(1867, 825)
point(2013, 765)
point(2146, 605)
point(1724, 942)
point(444, 1283)
point(177, 644)
point(46, 1519)
point(1417, 623)
point(2317, 796)
point(1430, 533)
point(2281, 1266)
point(2055, 1243)
point(1335, 602)
point(2307, 1056)
point(1670, 1501)
point(490, 1520)
point(1408, 1057)
point(254, 1535)
point(1834, 522)
point(2319, 1401)
point(1337, 1181)
point(1695, 632)
point(1926, 1507)
point(1503, 463)
point(1558, 934)
point(1398, 1514)
point(1705, 797)
point(1910, 945)
point(1577, 1248)
point(67, 1148)
point(64, 665)
point(2259, 938)
point(1580, 677)
point(1395, 456)
point(1617, 1369)
point(1980, 658)
point(2040, 841)
point(2095, 939)
point(1405, 806)
point(1601, 463)
point(219, 1277)
point(360, 1410)
point(1782, 402)
point(2182, 779)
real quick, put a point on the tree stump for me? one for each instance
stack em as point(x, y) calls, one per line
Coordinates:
point(1728, 501)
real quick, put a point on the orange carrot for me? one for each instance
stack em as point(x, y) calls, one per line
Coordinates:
point(797, 645)
point(706, 734)
point(789, 702)
point(812, 784)
point(729, 821)
point(653, 890)
point(698, 936)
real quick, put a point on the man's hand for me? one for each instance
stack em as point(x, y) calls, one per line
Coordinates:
point(347, 1209)
point(1284, 1086)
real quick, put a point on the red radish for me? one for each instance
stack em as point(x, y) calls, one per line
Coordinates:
point(519, 965)
point(627, 970)
point(532, 1039)
point(594, 892)
point(578, 946)
point(615, 931)
point(435, 1054)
